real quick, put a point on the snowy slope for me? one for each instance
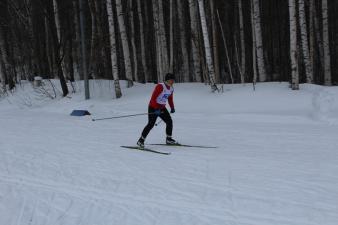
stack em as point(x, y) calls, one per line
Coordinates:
point(276, 161)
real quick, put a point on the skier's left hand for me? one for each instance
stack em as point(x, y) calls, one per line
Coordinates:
point(172, 110)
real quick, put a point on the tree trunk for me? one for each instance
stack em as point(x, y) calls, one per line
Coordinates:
point(293, 46)
point(195, 41)
point(133, 44)
point(157, 39)
point(312, 37)
point(113, 55)
point(93, 57)
point(4, 64)
point(76, 50)
point(101, 55)
point(214, 41)
point(171, 36)
point(259, 41)
point(143, 52)
point(242, 37)
point(163, 41)
point(2, 77)
point(319, 41)
point(226, 50)
point(211, 71)
point(185, 67)
point(125, 45)
point(57, 21)
point(305, 43)
point(254, 55)
point(59, 52)
point(326, 44)
point(32, 37)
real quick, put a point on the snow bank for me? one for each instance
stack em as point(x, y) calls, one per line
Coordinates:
point(276, 161)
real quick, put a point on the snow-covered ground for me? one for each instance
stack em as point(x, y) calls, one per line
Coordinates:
point(276, 161)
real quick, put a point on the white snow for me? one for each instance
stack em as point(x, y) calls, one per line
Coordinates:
point(276, 161)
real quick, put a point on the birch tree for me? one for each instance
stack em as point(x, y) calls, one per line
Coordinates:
point(326, 44)
point(305, 43)
point(293, 45)
point(194, 41)
point(153, 37)
point(113, 55)
point(259, 41)
point(161, 40)
point(125, 45)
point(211, 71)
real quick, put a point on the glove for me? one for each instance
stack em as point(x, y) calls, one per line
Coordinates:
point(172, 110)
point(157, 112)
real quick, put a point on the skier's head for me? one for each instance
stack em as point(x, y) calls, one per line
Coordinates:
point(169, 76)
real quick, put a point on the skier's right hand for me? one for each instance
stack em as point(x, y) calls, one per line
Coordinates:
point(157, 112)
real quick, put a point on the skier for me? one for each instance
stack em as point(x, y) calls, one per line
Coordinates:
point(162, 93)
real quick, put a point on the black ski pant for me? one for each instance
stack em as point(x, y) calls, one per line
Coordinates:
point(165, 116)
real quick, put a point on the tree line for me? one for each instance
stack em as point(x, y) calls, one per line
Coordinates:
point(211, 41)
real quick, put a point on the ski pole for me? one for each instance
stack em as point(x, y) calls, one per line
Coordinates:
point(116, 117)
point(156, 124)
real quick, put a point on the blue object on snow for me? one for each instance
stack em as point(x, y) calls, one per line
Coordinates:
point(80, 113)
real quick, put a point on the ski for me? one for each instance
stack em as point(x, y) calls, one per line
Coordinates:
point(183, 145)
point(146, 149)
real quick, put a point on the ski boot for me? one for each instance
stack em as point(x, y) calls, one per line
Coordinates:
point(140, 142)
point(170, 141)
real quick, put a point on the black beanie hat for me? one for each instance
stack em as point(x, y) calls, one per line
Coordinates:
point(169, 76)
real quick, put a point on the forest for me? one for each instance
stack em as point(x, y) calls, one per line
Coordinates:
point(210, 41)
